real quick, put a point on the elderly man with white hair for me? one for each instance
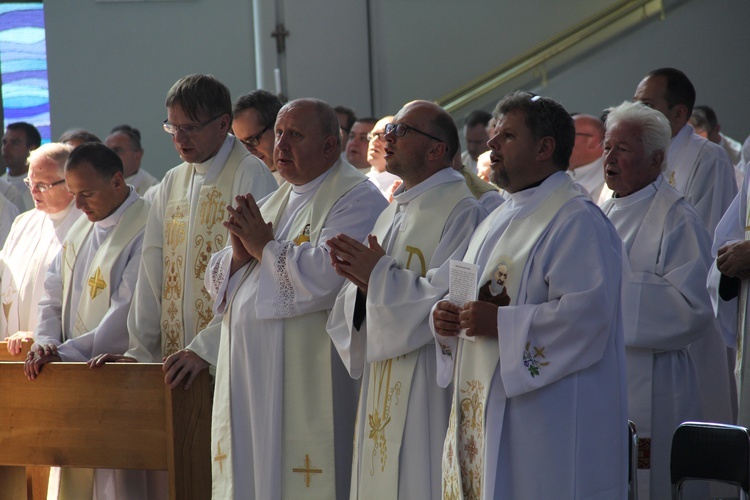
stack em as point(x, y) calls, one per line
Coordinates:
point(666, 306)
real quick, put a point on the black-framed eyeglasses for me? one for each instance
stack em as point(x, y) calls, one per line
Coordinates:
point(41, 186)
point(253, 141)
point(172, 129)
point(400, 129)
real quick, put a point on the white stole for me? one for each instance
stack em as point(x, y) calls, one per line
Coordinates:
point(307, 403)
point(390, 380)
point(464, 453)
point(187, 249)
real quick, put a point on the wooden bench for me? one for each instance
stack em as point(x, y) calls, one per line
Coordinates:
point(118, 416)
point(6, 356)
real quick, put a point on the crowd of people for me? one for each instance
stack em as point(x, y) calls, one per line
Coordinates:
point(386, 316)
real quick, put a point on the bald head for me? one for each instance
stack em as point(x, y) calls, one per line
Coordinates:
point(588, 143)
point(428, 145)
point(307, 140)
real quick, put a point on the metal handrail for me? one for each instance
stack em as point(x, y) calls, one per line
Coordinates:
point(530, 59)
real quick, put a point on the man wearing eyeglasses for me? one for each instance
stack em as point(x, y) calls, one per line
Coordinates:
point(284, 406)
point(171, 305)
point(254, 116)
point(34, 241)
point(376, 157)
point(403, 414)
point(126, 142)
point(539, 401)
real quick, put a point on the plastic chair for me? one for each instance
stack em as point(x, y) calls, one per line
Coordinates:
point(715, 452)
point(632, 461)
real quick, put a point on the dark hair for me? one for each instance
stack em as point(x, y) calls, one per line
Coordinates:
point(545, 118)
point(33, 137)
point(369, 121)
point(105, 161)
point(265, 103)
point(78, 134)
point(476, 117)
point(200, 94)
point(680, 89)
point(133, 134)
point(707, 115)
point(350, 116)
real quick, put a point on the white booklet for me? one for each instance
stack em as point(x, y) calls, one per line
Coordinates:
point(463, 286)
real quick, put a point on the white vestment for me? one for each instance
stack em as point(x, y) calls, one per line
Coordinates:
point(293, 283)
point(469, 162)
point(732, 147)
point(142, 181)
point(13, 194)
point(144, 320)
point(8, 213)
point(60, 309)
point(666, 307)
point(556, 412)
point(703, 172)
point(391, 330)
point(25, 200)
point(731, 309)
point(383, 180)
point(590, 177)
point(34, 241)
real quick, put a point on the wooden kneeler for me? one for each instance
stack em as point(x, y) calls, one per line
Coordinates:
point(118, 416)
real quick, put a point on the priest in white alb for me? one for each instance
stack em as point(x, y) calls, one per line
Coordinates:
point(171, 305)
point(283, 413)
point(34, 241)
point(539, 408)
point(403, 414)
point(87, 295)
point(666, 306)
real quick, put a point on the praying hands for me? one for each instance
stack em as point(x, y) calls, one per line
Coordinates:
point(353, 260)
point(249, 233)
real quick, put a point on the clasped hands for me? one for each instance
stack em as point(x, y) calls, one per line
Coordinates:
point(248, 232)
point(354, 260)
point(479, 318)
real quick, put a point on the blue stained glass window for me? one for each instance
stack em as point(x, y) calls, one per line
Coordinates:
point(23, 66)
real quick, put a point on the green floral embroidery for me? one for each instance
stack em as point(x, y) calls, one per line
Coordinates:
point(531, 362)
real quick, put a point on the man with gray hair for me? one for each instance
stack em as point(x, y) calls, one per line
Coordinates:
point(666, 306)
point(34, 240)
point(284, 405)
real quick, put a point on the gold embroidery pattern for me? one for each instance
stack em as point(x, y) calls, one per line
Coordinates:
point(203, 311)
point(212, 210)
point(175, 232)
point(383, 398)
point(471, 439)
point(220, 457)
point(416, 251)
point(307, 470)
point(204, 250)
point(173, 281)
point(173, 332)
point(96, 284)
point(671, 180)
point(451, 487)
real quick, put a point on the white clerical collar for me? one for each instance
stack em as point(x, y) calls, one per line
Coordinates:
point(58, 217)
point(313, 184)
point(402, 195)
point(638, 196)
point(681, 139)
point(585, 171)
point(115, 216)
point(212, 167)
point(135, 179)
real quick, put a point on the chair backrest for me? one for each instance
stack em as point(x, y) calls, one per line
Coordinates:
point(632, 461)
point(708, 451)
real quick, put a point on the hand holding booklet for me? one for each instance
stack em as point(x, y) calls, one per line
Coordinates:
point(463, 286)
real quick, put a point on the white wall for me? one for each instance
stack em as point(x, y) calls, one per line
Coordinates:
point(112, 63)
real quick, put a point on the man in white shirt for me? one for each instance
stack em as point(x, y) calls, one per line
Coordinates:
point(34, 240)
point(284, 405)
point(171, 304)
point(585, 165)
point(19, 140)
point(548, 367)
point(126, 142)
point(88, 291)
point(476, 136)
point(666, 306)
point(378, 174)
point(254, 116)
point(430, 220)
point(358, 143)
